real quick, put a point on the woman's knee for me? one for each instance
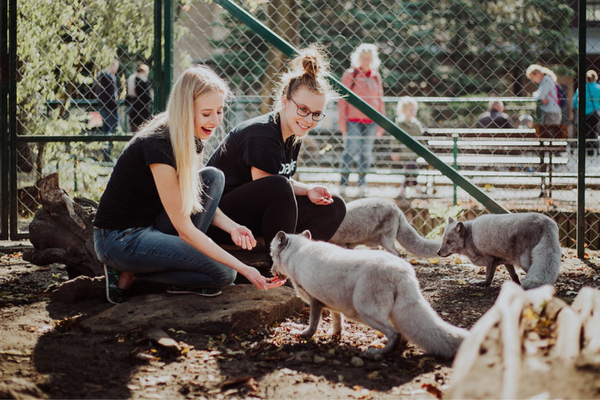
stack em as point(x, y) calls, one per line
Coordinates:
point(278, 187)
point(338, 209)
point(226, 277)
point(212, 176)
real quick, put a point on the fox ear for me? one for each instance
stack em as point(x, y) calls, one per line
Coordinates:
point(281, 239)
point(460, 227)
point(450, 220)
point(307, 234)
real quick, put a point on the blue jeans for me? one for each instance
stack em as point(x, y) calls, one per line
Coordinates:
point(360, 139)
point(155, 253)
point(110, 121)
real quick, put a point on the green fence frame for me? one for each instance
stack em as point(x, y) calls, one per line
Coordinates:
point(4, 79)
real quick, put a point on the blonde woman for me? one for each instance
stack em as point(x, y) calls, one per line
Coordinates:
point(158, 204)
point(260, 156)
point(546, 94)
point(362, 78)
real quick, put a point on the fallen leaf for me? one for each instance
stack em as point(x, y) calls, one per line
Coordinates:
point(478, 294)
point(433, 390)
point(373, 375)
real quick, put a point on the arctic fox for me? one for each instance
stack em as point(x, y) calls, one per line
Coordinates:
point(372, 287)
point(528, 240)
point(375, 222)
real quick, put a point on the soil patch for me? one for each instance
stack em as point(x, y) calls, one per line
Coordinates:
point(43, 343)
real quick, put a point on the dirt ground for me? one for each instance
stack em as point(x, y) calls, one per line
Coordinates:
point(41, 342)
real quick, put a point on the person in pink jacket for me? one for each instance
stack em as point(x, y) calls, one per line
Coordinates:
point(360, 131)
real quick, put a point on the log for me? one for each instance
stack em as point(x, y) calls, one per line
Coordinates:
point(62, 231)
point(531, 344)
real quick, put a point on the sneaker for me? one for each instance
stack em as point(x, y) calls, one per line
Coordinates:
point(114, 294)
point(206, 292)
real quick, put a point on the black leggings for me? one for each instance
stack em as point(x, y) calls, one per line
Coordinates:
point(269, 205)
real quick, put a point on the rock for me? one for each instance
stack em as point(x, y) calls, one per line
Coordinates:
point(78, 289)
point(357, 362)
point(304, 356)
point(319, 360)
point(20, 389)
point(239, 309)
point(161, 338)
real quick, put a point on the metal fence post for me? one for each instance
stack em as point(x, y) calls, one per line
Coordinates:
point(157, 67)
point(455, 161)
point(4, 76)
point(168, 60)
point(12, 115)
point(581, 132)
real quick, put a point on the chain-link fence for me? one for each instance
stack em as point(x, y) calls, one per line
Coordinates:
point(462, 63)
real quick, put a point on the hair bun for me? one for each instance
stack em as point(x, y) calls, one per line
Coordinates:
point(310, 65)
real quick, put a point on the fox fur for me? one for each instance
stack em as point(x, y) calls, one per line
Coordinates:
point(527, 240)
point(379, 222)
point(372, 287)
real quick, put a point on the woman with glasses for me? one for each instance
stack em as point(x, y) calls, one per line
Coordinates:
point(259, 157)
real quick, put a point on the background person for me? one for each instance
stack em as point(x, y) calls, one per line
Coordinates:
point(362, 78)
point(592, 108)
point(546, 94)
point(495, 117)
point(139, 95)
point(107, 94)
point(406, 118)
point(259, 157)
point(152, 217)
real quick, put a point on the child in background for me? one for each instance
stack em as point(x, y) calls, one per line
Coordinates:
point(406, 119)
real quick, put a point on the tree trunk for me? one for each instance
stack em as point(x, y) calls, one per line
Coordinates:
point(283, 21)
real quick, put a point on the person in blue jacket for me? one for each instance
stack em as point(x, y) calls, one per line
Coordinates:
point(592, 108)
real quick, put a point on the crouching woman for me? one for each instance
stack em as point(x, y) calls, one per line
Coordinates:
point(158, 204)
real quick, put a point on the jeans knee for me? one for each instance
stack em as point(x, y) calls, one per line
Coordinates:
point(211, 176)
point(226, 278)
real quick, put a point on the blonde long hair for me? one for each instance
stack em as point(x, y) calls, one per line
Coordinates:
point(179, 119)
point(542, 70)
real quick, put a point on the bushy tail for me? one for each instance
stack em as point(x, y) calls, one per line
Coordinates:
point(414, 243)
point(419, 323)
point(545, 259)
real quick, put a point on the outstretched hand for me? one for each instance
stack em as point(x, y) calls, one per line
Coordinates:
point(260, 281)
point(319, 195)
point(243, 237)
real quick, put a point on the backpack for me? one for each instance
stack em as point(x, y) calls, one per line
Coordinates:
point(562, 96)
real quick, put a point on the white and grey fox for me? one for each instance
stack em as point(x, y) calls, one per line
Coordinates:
point(528, 240)
point(375, 222)
point(372, 287)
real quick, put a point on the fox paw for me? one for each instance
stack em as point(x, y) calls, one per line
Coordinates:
point(480, 282)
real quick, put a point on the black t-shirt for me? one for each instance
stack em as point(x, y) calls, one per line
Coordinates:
point(131, 199)
point(255, 143)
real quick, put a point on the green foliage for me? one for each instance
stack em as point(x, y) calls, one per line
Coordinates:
point(61, 46)
point(442, 48)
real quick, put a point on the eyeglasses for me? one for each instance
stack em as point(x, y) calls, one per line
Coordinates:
point(303, 111)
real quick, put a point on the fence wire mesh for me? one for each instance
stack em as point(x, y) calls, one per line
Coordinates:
point(454, 59)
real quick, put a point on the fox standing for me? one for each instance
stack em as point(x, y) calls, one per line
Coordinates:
point(528, 240)
point(374, 222)
point(368, 286)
